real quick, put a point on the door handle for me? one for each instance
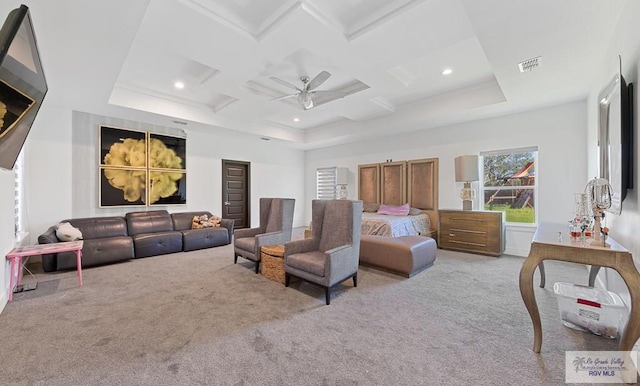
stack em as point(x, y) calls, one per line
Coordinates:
point(227, 203)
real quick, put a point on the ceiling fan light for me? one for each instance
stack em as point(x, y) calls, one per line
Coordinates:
point(305, 100)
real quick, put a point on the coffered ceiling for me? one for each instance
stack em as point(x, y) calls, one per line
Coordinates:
point(386, 59)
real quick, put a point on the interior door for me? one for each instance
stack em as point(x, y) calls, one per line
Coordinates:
point(236, 192)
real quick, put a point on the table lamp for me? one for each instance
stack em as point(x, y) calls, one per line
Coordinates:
point(467, 171)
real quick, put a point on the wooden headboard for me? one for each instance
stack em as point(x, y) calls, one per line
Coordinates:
point(422, 189)
point(396, 183)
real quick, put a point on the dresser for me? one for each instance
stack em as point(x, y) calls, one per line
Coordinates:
point(472, 231)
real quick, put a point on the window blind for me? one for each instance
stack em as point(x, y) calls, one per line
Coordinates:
point(18, 195)
point(326, 183)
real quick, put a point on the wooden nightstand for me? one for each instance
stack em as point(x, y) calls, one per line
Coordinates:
point(472, 231)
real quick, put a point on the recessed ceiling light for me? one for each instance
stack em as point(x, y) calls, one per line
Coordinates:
point(447, 71)
point(178, 85)
point(296, 119)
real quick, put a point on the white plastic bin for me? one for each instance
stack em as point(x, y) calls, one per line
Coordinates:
point(589, 309)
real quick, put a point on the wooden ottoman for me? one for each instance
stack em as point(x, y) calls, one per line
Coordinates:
point(272, 262)
point(404, 255)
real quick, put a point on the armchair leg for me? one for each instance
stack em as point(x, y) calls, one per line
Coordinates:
point(235, 258)
point(327, 294)
point(257, 266)
point(286, 279)
point(355, 280)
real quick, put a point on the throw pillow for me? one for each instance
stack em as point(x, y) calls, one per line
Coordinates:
point(394, 210)
point(414, 211)
point(67, 232)
point(205, 221)
point(370, 207)
point(195, 223)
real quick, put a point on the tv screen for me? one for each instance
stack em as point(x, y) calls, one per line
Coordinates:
point(22, 83)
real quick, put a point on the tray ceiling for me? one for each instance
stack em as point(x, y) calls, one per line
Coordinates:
point(385, 57)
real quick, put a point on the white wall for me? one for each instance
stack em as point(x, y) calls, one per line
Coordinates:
point(48, 170)
point(62, 161)
point(559, 133)
point(626, 227)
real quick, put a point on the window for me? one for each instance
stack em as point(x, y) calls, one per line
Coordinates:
point(509, 183)
point(326, 183)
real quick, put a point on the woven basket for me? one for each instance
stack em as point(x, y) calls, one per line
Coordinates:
point(273, 262)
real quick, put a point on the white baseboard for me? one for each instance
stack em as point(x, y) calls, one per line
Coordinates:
point(516, 252)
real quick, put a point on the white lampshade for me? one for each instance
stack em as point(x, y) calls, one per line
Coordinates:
point(467, 168)
point(342, 176)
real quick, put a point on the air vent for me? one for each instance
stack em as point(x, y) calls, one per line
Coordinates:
point(179, 122)
point(530, 64)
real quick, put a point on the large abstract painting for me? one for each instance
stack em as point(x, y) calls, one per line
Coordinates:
point(141, 169)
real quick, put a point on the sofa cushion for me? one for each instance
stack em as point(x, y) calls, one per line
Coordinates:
point(148, 222)
point(100, 227)
point(97, 252)
point(312, 262)
point(158, 243)
point(204, 238)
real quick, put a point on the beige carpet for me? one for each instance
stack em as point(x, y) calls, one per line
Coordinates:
point(196, 318)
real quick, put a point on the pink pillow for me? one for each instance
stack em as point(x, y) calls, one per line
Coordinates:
point(394, 210)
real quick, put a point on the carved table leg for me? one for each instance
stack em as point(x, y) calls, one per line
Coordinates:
point(631, 333)
point(526, 290)
point(543, 278)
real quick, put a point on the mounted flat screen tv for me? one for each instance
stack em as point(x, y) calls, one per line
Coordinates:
point(615, 138)
point(22, 83)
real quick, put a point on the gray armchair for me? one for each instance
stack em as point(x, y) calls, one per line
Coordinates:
point(276, 221)
point(332, 254)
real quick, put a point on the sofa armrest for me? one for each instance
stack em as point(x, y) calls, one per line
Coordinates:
point(49, 261)
point(342, 262)
point(229, 224)
point(48, 237)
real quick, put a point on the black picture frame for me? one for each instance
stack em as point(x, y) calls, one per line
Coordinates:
point(113, 137)
point(175, 148)
point(167, 188)
point(115, 195)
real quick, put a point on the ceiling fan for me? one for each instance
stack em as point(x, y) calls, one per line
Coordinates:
point(307, 93)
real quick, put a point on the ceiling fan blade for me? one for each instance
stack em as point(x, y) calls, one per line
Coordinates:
point(328, 94)
point(284, 97)
point(284, 83)
point(318, 80)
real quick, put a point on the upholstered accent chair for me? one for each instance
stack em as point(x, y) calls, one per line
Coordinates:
point(331, 255)
point(276, 221)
